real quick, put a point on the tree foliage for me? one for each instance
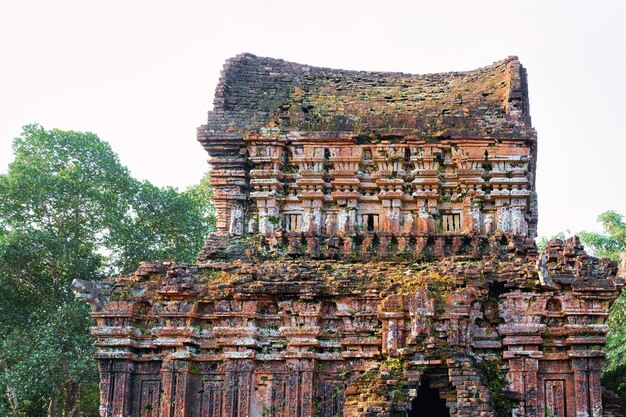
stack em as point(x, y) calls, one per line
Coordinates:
point(162, 223)
point(70, 209)
point(612, 241)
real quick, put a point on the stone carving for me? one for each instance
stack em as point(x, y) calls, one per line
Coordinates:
point(473, 225)
point(236, 221)
point(520, 227)
point(252, 226)
point(307, 215)
point(393, 221)
point(408, 223)
point(503, 219)
point(313, 316)
point(488, 224)
point(329, 224)
point(342, 221)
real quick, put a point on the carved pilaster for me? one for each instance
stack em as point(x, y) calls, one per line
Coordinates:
point(115, 387)
point(238, 381)
point(175, 377)
point(524, 378)
point(300, 387)
point(587, 387)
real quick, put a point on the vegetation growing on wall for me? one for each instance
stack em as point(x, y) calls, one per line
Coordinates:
point(494, 378)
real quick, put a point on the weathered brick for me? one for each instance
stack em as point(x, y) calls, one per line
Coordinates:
point(374, 244)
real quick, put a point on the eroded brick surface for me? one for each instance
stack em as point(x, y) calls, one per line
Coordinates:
point(374, 244)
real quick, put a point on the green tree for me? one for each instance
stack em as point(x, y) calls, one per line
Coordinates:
point(163, 223)
point(59, 195)
point(70, 209)
point(612, 241)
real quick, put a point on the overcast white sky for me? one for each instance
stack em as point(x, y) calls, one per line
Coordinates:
point(141, 74)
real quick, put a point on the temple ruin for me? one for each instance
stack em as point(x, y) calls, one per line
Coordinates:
point(374, 257)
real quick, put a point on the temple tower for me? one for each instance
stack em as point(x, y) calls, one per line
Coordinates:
point(374, 256)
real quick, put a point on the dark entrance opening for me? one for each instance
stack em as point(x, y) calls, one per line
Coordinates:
point(428, 403)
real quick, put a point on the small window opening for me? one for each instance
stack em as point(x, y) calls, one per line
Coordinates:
point(553, 305)
point(205, 308)
point(451, 222)
point(370, 222)
point(293, 222)
point(367, 154)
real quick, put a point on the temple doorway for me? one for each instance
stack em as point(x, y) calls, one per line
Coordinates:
point(428, 402)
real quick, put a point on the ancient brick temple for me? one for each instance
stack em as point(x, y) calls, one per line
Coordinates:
point(374, 256)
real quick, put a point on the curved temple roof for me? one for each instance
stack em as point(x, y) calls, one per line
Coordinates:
point(258, 94)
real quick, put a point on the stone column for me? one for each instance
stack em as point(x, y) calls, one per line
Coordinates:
point(391, 196)
point(228, 174)
point(519, 226)
point(523, 374)
point(311, 195)
point(523, 341)
point(310, 191)
point(300, 387)
point(342, 219)
point(352, 221)
point(267, 206)
point(587, 387)
point(595, 386)
point(503, 213)
point(583, 339)
point(384, 222)
point(107, 387)
point(115, 387)
point(308, 216)
point(392, 327)
point(238, 380)
point(422, 216)
point(426, 193)
point(175, 377)
point(471, 216)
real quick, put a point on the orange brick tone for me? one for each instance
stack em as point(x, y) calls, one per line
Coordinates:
point(374, 257)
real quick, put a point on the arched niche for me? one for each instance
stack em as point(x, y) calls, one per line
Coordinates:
point(553, 315)
point(203, 315)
